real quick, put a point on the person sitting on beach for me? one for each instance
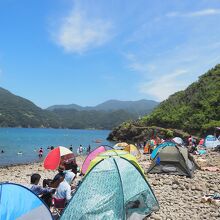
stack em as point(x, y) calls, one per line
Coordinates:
point(63, 190)
point(2, 152)
point(43, 192)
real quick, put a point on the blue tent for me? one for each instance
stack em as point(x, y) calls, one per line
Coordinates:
point(159, 147)
point(113, 189)
point(19, 203)
point(211, 142)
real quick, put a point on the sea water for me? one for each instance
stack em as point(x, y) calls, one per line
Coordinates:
point(21, 145)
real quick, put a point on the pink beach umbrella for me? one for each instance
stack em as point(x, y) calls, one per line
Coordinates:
point(92, 156)
point(59, 156)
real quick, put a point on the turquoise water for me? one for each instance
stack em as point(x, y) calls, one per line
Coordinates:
point(29, 140)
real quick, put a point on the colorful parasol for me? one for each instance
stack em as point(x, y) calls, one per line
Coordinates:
point(59, 156)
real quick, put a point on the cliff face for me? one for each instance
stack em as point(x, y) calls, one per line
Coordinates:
point(130, 132)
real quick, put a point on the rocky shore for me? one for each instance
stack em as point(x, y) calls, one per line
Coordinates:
point(179, 197)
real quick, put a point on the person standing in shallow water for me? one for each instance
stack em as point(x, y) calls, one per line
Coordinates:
point(40, 152)
point(89, 149)
point(71, 147)
point(80, 149)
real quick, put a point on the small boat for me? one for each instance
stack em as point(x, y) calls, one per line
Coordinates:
point(97, 141)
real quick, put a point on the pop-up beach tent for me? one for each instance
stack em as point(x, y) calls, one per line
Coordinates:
point(120, 145)
point(211, 142)
point(113, 189)
point(172, 159)
point(19, 203)
point(92, 155)
point(115, 153)
point(132, 149)
point(161, 146)
point(178, 140)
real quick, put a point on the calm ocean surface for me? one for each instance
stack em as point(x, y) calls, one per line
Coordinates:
point(29, 140)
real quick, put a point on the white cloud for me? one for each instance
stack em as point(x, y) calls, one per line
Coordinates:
point(205, 12)
point(165, 85)
point(78, 32)
point(137, 66)
point(173, 71)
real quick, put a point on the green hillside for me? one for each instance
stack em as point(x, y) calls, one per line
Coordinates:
point(16, 111)
point(92, 119)
point(195, 110)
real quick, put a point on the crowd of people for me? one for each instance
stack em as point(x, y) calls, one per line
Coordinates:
point(81, 150)
point(193, 144)
point(58, 188)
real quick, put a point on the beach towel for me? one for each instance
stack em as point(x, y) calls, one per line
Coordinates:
point(211, 169)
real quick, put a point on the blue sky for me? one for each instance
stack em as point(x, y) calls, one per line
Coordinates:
point(89, 51)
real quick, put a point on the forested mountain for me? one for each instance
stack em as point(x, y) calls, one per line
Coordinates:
point(71, 106)
point(16, 111)
point(139, 108)
point(195, 110)
point(92, 119)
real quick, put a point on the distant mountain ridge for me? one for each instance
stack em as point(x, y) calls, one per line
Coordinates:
point(139, 107)
point(16, 111)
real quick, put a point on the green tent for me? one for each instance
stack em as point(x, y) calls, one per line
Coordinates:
point(172, 160)
point(113, 189)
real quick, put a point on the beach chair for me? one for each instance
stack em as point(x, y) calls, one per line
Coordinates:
point(58, 205)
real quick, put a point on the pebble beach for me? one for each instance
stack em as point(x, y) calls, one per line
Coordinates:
point(179, 197)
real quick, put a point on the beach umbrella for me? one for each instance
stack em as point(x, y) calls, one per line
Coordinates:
point(19, 202)
point(92, 156)
point(59, 156)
